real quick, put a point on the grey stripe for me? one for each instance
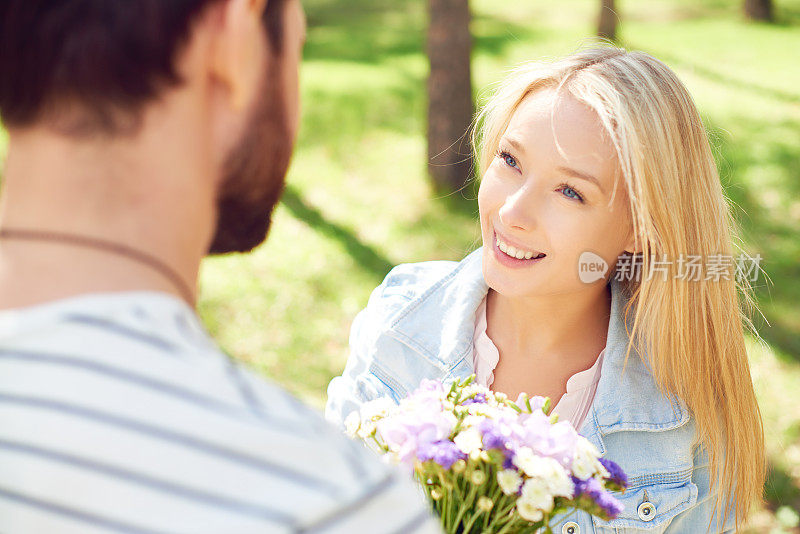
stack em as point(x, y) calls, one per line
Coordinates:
point(415, 523)
point(105, 324)
point(245, 391)
point(204, 497)
point(166, 388)
point(340, 514)
point(79, 515)
point(310, 428)
point(302, 411)
point(191, 335)
point(313, 483)
point(355, 458)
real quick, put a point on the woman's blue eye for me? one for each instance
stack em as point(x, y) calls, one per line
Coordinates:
point(571, 193)
point(509, 159)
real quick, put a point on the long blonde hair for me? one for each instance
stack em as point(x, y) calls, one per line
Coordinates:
point(691, 332)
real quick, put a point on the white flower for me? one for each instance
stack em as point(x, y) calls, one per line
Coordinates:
point(473, 389)
point(527, 461)
point(366, 429)
point(550, 474)
point(493, 412)
point(469, 440)
point(535, 492)
point(479, 409)
point(529, 511)
point(485, 504)
point(586, 446)
point(559, 482)
point(377, 409)
point(553, 475)
point(351, 424)
point(471, 420)
point(478, 477)
point(585, 462)
point(509, 481)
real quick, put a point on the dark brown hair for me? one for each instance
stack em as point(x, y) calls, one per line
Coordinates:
point(105, 58)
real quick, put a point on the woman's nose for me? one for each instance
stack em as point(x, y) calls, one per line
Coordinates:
point(518, 210)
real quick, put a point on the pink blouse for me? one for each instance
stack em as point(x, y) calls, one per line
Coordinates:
point(574, 404)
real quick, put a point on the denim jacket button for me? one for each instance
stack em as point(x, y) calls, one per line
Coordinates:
point(647, 512)
point(571, 528)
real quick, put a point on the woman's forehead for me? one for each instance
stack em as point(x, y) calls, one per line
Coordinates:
point(557, 115)
point(560, 128)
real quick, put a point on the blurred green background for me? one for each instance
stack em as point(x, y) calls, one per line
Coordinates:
point(359, 200)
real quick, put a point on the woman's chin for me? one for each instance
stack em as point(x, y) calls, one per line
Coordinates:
point(512, 286)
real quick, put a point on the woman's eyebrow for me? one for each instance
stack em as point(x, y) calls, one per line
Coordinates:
point(514, 144)
point(583, 176)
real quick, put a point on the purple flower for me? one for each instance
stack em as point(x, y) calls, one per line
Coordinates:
point(429, 385)
point(444, 453)
point(492, 436)
point(617, 475)
point(603, 502)
point(429, 392)
point(508, 463)
point(493, 440)
point(479, 398)
point(610, 506)
point(556, 441)
point(406, 433)
point(590, 488)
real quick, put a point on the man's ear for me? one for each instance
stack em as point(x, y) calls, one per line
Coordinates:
point(239, 49)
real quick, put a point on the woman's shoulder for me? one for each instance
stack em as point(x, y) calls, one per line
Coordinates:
point(387, 361)
point(405, 283)
point(413, 279)
point(420, 321)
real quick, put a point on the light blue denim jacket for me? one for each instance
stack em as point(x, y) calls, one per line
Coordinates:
point(419, 323)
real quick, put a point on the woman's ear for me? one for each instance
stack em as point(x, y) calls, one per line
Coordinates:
point(633, 246)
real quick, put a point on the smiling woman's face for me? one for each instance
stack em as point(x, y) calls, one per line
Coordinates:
point(544, 202)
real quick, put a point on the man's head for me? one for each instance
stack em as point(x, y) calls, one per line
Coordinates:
point(91, 68)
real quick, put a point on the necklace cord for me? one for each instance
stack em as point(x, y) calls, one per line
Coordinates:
point(108, 246)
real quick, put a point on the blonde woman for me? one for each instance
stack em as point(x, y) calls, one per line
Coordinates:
point(590, 165)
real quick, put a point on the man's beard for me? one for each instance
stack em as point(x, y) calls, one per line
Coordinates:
point(255, 171)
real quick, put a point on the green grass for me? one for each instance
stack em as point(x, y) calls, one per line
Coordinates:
point(359, 201)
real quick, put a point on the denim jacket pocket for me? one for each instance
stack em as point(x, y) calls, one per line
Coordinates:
point(650, 508)
point(387, 378)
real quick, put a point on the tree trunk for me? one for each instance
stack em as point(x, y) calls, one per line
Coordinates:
point(449, 94)
point(759, 10)
point(607, 22)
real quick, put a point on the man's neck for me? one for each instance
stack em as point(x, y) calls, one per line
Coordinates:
point(151, 194)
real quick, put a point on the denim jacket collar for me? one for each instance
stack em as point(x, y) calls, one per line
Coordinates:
point(445, 338)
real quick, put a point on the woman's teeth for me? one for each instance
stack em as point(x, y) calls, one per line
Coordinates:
point(517, 253)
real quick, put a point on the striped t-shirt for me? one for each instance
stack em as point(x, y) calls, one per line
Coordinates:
point(119, 414)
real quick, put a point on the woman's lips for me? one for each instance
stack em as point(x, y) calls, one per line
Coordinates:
point(509, 261)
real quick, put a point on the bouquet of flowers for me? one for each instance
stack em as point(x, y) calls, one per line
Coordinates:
point(487, 464)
